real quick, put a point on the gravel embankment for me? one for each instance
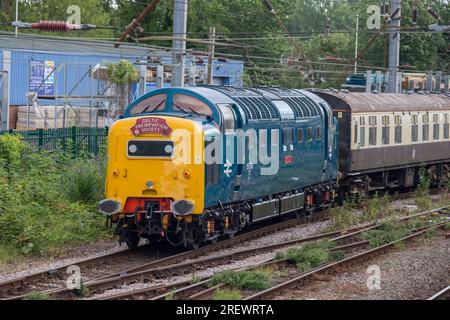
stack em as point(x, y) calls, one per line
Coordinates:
point(415, 273)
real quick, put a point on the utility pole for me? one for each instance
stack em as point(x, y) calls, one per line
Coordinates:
point(17, 18)
point(394, 46)
point(356, 44)
point(179, 41)
point(211, 50)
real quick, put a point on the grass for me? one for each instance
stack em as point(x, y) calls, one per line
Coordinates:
point(47, 200)
point(226, 294)
point(311, 255)
point(423, 199)
point(246, 280)
point(34, 295)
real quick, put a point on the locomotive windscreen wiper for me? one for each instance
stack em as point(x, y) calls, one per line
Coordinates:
point(159, 105)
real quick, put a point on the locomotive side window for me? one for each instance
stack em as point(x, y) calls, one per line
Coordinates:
point(212, 170)
point(191, 105)
point(436, 127)
point(373, 131)
point(446, 127)
point(228, 118)
point(288, 136)
point(300, 135)
point(414, 128)
point(319, 133)
point(398, 129)
point(426, 127)
point(386, 130)
point(154, 103)
point(310, 134)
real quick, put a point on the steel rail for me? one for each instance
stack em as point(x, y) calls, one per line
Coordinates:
point(441, 295)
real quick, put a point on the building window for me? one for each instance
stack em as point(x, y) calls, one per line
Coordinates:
point(426, 128)
point(300, 135)
point(415, 128)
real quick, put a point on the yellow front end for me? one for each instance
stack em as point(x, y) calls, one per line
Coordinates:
point(132, 178)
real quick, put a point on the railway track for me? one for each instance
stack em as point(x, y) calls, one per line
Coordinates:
point(442, 295)
point(346, 240)
point(119, 264)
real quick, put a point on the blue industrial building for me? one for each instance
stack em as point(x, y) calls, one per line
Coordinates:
point(73, 59)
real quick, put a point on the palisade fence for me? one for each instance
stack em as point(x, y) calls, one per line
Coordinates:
point(74, 139)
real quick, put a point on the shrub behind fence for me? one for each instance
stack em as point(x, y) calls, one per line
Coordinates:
point(72, 139)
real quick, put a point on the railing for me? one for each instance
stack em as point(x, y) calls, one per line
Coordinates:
point(76, 140)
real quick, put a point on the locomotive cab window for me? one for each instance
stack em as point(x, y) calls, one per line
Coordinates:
point(154, 103)
point(191, 105)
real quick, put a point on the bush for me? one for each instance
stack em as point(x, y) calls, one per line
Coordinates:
point(47, 200)
point(386, 233)
point(311, 256)
point(249, 280)
point(227, 295)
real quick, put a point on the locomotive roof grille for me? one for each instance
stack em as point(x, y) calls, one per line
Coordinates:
point(302, 107)
point(258, 108)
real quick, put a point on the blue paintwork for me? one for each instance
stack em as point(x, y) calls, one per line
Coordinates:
point(314, 161)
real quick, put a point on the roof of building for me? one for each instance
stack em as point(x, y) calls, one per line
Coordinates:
point(368, 102)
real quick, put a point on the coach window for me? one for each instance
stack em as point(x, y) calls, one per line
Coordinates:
point(426, 127)
point(300, 135)
point(355, 133)
point(436, 127)
point(362, 131)
point(398, 129)
point(414, 128)
point(446, 127)
point(386, 130)
point(373, 131)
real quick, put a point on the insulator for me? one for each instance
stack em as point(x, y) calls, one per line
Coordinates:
point(415, 14)
point(434, 13)
point(269, 5)
point(51, 26)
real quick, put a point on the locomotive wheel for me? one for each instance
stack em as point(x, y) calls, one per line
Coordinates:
point(192, 239)
point(132, 240)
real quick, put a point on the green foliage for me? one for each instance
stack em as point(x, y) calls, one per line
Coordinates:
point(375, 208)
point(249, 280)
point(423, 200)
point(42, 202)
point(311, 256)
point(122, 73)
point(227, 295)
point(386, 233)
point(34, 295)
point(343, 217)
point(83, 291)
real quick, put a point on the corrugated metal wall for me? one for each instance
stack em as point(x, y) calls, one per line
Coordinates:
point(72, 67)
point(70, 71)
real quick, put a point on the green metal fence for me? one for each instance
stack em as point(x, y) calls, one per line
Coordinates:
point(76, 140)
